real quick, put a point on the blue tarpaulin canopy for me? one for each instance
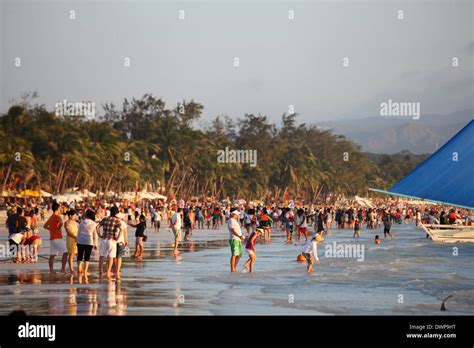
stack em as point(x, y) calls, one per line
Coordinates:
point(445, 177)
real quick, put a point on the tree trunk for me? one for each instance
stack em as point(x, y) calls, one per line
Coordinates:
point(7, 176)
point(108, 183)
point(76, 179)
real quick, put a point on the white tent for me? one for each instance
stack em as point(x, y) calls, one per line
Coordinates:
point(68, 197)
point(158, 196)
point(87, 193)
point(127, 195)
point(45, 194)
point(366, 203)
point(61, 198)
point(146, 195)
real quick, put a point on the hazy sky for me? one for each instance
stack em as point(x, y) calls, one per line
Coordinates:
point(282, 61)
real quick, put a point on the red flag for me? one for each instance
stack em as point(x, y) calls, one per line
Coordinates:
point(136, 192)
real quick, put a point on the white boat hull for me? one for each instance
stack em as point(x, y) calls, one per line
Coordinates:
point(450, 233)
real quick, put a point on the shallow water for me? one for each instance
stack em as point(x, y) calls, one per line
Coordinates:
point(408, 275)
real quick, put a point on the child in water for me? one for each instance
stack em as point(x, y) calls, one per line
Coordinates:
point(356, 229)
point(377, 240)
point(250, 248)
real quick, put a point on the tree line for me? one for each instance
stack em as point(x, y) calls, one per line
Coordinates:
point(168, 149)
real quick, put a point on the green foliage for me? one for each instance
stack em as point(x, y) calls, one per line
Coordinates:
point(166, 151)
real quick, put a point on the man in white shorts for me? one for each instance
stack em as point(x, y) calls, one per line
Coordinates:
point(56, 242)
point(112, 230)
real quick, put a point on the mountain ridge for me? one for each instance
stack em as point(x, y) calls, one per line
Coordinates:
point(390, 135)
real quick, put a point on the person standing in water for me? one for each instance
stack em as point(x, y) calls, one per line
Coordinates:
point(302, 224)
point(235, 239)
point(71, 228)
point(357, 225)
point(56, 242)
point(175, 225)
point(122, 243)
point(111, 231)
point(319, 228)
point(86, 239)
point(158, 218)
point(188, 224)
point(265, 222)
point(328, 220)
point(387, 223)
point(250, 249)
point(139, 236)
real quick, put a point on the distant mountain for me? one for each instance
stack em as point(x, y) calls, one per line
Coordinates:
point(394, 134)
point(395, 166)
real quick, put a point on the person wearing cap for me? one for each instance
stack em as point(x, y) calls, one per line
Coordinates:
point(310, 250)
point(235, 239)
point(71, 227)
point(175, 225)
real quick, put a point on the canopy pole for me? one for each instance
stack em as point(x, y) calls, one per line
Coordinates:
point(418, 198)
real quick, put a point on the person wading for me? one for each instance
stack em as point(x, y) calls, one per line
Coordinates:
point(235, 239)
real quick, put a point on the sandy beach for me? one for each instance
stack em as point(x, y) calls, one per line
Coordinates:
point(198, 282)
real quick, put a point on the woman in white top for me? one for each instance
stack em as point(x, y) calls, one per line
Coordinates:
point(86, 239)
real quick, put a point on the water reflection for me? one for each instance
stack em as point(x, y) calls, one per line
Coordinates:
point(39, 292)
point(106, 299)
point(22, 277)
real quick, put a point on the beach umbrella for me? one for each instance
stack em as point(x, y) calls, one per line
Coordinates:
point(29, 193)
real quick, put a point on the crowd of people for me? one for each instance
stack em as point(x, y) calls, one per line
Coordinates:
point(78, 229)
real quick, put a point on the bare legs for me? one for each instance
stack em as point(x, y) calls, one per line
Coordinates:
point(71, 262)
point(234, 260)
point(63, 263)
point(250, 262)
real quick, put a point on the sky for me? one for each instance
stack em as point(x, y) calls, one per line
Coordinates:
point(282, 61)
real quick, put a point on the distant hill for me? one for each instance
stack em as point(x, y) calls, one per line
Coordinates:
point(395, 166)
point(394, 134)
